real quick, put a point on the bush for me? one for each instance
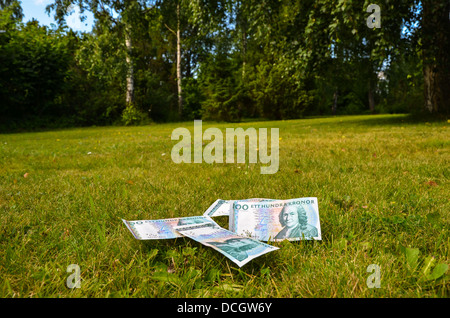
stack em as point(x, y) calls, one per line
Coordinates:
point(134, 116)
point(33, 67)
point(278, 94)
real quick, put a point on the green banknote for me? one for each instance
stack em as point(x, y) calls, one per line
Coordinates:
point(237, 248)
point(277, 220)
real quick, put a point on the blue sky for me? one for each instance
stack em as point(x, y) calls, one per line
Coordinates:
point(36, 9)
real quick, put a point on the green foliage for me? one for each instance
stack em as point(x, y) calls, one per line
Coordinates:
point(278, 94)
point(13, 7)
point(402, 92)
point(192, 97)
point(154, 96)
point(133, 116)
point(100, 70)
point(33, 65)
point(220, 88)
point(425, 269)
point(240, 59)
point(352, 105)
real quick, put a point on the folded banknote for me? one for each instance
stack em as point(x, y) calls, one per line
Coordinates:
point(219, 208)
point(238, 249)
point(162, 228)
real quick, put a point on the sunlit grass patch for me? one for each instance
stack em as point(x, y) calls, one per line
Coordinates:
point(381, 182)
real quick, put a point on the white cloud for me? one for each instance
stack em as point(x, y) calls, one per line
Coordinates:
point(73, 20)
point(42, 2)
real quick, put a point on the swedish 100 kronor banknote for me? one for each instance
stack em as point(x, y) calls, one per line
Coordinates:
point(276, 220)
point(250, 221)
point(162, 228)
point(219, 208)
point(237, 248)
point(223, 207)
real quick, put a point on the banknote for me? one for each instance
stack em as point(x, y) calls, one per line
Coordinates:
point(219, 208)
point(237, 248)
point(252, 200)
point(277, 220)
point(223, 207)
point(162, 228)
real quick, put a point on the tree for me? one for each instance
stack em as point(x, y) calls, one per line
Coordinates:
point(176, 6)
point(435, 35)
point(103, 10)
point(340, 20)
point(33, 70)
point(179, 77)
point(14, 6)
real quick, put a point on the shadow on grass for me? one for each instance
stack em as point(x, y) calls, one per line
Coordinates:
point(396, 120)
point(362, 120)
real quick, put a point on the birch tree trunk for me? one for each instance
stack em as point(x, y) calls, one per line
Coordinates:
point(130, 71)
point(179, 75)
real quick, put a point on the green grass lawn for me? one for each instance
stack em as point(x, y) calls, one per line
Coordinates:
point(382, 184)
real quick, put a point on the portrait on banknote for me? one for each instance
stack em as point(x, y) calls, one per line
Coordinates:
point(295, 224)
point(236, 247)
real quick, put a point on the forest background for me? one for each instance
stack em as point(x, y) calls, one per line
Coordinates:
point(223, 60)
